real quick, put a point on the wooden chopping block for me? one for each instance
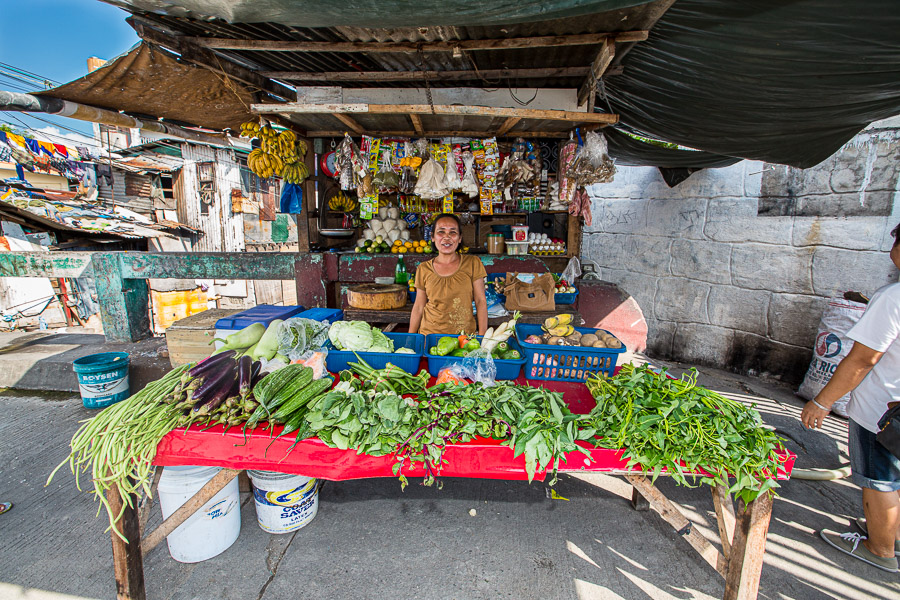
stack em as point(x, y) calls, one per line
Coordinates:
point(375, 296)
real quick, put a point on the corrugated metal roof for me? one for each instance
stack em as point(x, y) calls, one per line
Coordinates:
point(630, 19)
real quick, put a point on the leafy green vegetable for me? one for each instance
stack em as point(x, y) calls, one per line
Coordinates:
point(675, 425)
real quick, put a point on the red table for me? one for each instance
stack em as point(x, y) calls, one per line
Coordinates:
point(739, 563)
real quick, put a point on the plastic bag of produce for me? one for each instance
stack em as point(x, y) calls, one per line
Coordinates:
point(297, 336)
point(478, 365)
point(832, 345)
point(431, 184)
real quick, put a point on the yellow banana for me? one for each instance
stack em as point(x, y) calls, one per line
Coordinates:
point(564, 319)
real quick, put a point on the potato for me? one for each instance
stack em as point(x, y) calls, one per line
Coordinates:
point(613, 343)
point(599, 344)
point(588, 339)
point(574, 337)
point(555, 340)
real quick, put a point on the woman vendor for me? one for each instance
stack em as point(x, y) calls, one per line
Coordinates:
point(447, 284)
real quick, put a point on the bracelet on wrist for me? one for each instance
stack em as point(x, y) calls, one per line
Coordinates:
point(820, 406)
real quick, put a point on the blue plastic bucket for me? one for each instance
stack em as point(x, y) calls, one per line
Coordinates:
point(102, 378)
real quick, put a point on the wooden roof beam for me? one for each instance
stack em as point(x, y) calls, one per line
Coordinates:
point(490, 74)
point(507, 125)
point(437, 109)
point(417, 124)
point(412, 47)
point(325, 133)
point(349, 122)
point(588, 90)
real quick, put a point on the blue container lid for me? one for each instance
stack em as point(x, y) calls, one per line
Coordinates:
point(322, 314)
point(264, 313)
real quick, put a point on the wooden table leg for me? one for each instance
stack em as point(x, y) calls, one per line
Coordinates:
point(725, 520)
point(128, 561)
point(203, 495)
point(668, 510)
point(748, 548)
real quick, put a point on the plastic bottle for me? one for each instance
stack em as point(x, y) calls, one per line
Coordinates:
point(400, 274)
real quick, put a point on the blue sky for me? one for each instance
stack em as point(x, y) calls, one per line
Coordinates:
point(53, 39)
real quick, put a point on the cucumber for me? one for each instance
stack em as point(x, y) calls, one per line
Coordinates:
point(300, 398)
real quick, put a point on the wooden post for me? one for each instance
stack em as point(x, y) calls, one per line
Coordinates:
point(724, 516)
point(668, 510)
point(309, 198)
point(638, 502)
point(124, 302)
point(128, 562)
point(748, 548)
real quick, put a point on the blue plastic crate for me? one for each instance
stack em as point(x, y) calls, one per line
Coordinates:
point(557, 298)
point(337, 359)
point(322, 314)
point(263, 313)
point(506, 369)
point(565, 363)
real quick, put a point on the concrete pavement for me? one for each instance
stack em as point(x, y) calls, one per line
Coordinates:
point(474, 539)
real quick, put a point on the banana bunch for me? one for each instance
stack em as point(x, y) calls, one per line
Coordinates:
point(560, 325)
point(250, 129)
point(264, 164)
point(295, 172)
point(342, 203)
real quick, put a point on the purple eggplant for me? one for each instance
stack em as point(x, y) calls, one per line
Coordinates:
point(245, 375)
point(210, 362)
point(213, 382)
point(219, 396)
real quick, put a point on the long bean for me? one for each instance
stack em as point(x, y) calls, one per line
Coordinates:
point(119, 444)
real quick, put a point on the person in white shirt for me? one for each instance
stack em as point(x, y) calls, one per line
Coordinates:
point(872, 372)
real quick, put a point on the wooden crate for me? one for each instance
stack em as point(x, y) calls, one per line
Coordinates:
point(188, 339)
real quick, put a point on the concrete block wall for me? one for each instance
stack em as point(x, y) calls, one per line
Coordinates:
point(720, 284)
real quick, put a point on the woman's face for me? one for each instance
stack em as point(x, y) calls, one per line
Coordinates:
point(446, 236)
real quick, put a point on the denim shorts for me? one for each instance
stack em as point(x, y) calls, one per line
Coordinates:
point(872, 466)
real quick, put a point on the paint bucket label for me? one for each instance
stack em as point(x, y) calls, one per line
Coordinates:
point(286, 510)
point(102, 378)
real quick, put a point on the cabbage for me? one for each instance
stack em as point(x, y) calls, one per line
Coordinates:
point(381, 342)
point(333, 332)
point(355, 336)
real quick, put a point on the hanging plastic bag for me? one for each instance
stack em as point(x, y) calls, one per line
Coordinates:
point(386, 180)
point(451, 179)
point(572, 270)
point(431, 184)
point(592, 164)
point(291, 198)
point(469, 184)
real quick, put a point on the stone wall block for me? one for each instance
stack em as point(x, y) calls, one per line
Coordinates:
point(701, 344)
point(757, 355)
point(644, 254)
point(862, 233)
point(737, 308)
point(706, 261)
point(837, 271)
point(773, 268)
point(640, 287)
point(794, 319)
point(660, 337)
point(682, 217)
point(884, 175)
point(681, 300)
point(735, 220)
point(790, 181)
point(603, 249)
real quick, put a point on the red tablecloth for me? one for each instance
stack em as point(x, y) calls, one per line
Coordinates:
point(479, 458)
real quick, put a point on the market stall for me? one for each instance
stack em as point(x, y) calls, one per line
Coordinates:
point(346, 401)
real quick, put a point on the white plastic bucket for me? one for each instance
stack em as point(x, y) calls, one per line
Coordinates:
point(210, 530)
point(284, 502)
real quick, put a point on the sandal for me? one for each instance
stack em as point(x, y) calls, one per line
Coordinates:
point(5, 506)
point(860, 525)
point(851, 543)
